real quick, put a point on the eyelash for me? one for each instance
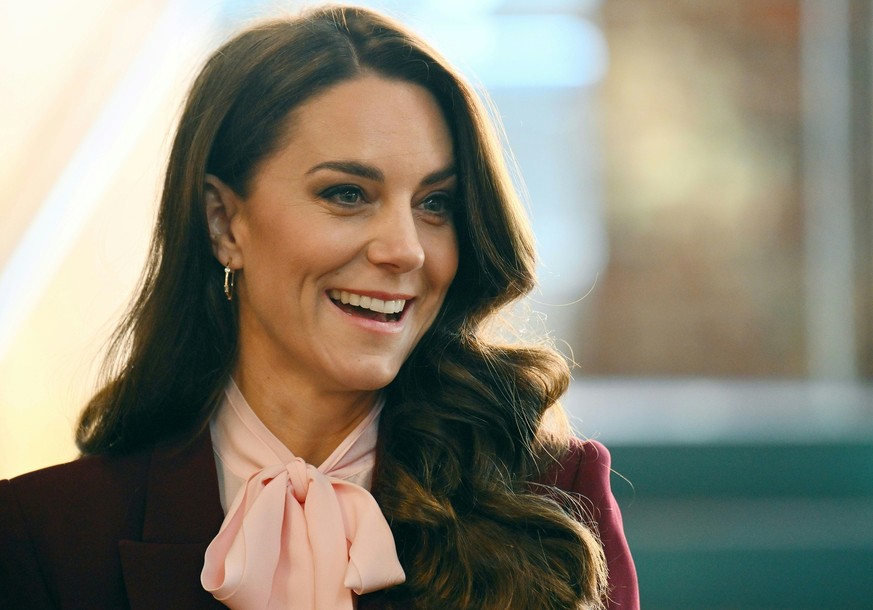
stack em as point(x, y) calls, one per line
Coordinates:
point(446, 200)
point(334, 193)
point(331, 194)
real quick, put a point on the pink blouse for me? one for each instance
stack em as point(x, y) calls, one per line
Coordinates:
point(295, 536)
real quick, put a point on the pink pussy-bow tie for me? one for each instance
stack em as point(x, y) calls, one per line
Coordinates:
point(295, 538)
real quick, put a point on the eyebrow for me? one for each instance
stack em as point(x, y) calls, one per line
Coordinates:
point(370, 172)
point(439, 175)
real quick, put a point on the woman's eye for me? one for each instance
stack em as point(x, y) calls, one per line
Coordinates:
point(438, 204)
point(343, 195)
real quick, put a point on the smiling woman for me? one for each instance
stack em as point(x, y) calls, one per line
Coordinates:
point(301, 410)
point(357, 201)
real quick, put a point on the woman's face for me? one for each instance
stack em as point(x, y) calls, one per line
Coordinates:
point(346, 242)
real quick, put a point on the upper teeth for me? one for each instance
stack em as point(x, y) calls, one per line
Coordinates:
point(377, 305)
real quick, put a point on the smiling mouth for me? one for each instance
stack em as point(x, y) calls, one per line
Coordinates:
point(368, 307)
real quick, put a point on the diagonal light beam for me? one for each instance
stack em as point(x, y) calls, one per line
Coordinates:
point(146, 86)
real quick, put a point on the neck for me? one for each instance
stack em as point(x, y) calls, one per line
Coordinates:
point(310, 422)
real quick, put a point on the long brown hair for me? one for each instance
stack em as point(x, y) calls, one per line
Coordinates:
point(461, 438)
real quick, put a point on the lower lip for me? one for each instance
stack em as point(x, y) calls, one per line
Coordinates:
point(375, 326)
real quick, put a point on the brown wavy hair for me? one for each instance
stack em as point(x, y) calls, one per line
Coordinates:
point(462, 437)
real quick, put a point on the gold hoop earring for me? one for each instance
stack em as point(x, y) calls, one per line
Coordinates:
point(228, 281)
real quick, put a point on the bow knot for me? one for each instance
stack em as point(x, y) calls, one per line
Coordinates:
point(298, 478)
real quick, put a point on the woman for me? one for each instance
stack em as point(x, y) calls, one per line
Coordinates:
point(336, 226)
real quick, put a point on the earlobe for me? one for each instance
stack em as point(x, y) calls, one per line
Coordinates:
point(221, 204)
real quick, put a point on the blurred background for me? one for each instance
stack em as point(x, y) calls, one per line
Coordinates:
point(699, 177)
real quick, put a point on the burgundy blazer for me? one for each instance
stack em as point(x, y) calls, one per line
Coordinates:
point(131, 531)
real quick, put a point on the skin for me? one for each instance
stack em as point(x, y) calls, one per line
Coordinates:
point(358, 198)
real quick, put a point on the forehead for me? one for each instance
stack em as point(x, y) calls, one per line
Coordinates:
point(371, 118)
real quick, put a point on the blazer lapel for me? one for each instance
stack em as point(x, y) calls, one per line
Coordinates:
point(182, 516)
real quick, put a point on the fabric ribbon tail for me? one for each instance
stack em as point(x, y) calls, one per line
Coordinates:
point(249, 543)
point(373, 562)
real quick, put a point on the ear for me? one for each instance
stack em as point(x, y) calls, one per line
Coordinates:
point(221, 205)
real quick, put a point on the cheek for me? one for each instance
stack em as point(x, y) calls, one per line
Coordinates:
point(444, 261)
point(283, 242)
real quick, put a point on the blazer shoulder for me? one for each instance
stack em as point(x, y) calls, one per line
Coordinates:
point(22, 579)
point(58, 523)
point(78, 485)
point(584, 471)
point(584, 468)
point(590, 451)
point(111, 531)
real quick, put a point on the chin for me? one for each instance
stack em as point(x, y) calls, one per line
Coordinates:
point(370, 378)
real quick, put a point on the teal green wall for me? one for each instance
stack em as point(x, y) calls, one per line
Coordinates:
point(749, 525)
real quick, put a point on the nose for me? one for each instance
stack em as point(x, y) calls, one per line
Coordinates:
point(395, 242)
